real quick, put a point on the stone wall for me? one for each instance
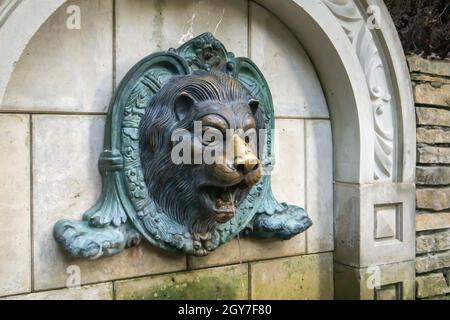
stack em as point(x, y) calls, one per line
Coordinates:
point(51, 132)
point(431, 81)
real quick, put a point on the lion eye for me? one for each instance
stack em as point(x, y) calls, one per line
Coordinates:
point(211, 136)
point(250, 137)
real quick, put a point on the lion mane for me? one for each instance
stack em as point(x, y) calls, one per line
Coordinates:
point(169, 185)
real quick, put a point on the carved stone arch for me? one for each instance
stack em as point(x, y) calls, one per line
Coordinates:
point(366, 82)
point(19, 21)
point(342, 48)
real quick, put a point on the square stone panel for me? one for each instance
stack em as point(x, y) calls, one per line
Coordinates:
point(15, 242)
point(389, 292)
point(288, 175)
point(374, 223)
point(148, 26)
point(292, 79)
point(66, 70)
point(308, 277)
point(394, 281)
point(66, 183)
point(387, 222)
point(319, 185)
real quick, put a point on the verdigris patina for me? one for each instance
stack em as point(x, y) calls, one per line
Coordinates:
point(191, 206)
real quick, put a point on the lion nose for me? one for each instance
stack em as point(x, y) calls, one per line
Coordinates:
point(245, 159)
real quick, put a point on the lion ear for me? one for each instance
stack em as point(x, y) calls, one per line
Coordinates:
point(183, 104)
point(254, 104)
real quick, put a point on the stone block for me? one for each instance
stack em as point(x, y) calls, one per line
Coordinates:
point(387, 222)
point(429, 155)
point(243, 250)
point(66, 183)
point(432, 221)
point(66, 70)
point(438, 241)
point(432, 284)
point(288, 175)
point(431, 262)
point(433, 116)
point(384, 282)
point(418, 64)
point(15, 242)
point(420, 77)
point(308, 277)
point(391, 291)
point(432, 94)
point(103, 291)
point(292, 79)
point(223, 283)
point(433, 135)
point(319, 185)
point(433, 199)
point(374, 223)
point(147, 26)
point(433, 175)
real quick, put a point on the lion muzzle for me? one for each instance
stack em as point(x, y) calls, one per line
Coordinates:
point(245, 160)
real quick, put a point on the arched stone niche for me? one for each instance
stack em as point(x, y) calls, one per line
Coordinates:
point(365, 81)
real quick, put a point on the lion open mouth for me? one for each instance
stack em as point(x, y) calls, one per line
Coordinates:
point(221, 201)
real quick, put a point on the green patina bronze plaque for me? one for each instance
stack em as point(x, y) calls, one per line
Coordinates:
point(190, 207)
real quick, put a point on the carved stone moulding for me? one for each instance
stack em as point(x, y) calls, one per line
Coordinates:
point(146, 196)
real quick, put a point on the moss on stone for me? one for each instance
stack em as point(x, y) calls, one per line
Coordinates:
point(219, 283)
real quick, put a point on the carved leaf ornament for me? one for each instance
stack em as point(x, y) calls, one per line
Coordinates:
point(358, 31)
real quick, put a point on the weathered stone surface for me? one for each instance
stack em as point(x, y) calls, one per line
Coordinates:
point(418, 64)
point(103, 291)
point(432, 221)
point(66, 69)
point(433, 175)
point(319, 185)
point(15, 242)
point(66, 183)
point(288, 185)
point(292, 79)
point(250, 250)
point(438, 241)
point(433, 199)
point(304, 277)
point(433, 135)
point(393, 281)
point(433, 116)
point(432, 262)
point(428, 154)
point(432, 284)
point(212, 284)
point(419, 77)
point(436, 95)
point(388, 292)
point(355, 212)
point(443, 297)
point(148, 26)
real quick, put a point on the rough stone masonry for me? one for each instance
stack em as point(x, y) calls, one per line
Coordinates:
point(431, 85)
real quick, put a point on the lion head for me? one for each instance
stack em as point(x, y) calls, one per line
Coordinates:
point(200, 194)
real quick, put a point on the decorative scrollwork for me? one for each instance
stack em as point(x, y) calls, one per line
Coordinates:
point(360, 36)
